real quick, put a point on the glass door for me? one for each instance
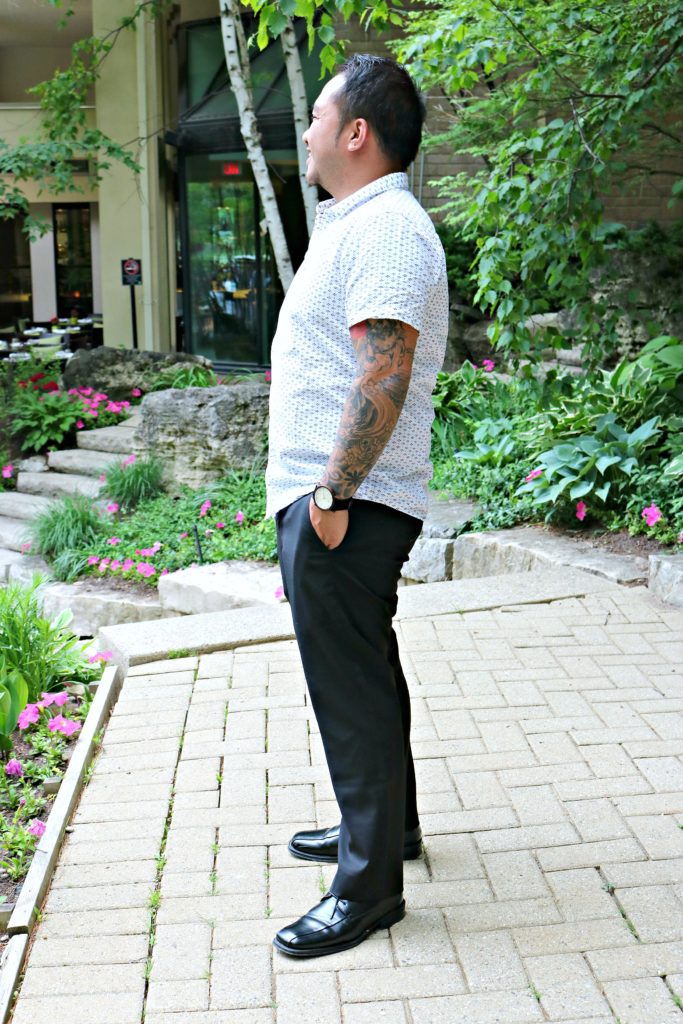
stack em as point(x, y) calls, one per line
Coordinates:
point(73, 259)
point(232, 292)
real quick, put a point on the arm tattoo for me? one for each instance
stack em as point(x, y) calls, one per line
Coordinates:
point(384, 350)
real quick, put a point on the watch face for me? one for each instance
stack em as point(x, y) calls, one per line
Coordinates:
point(323, 497)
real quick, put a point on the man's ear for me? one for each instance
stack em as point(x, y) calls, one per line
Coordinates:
point(358, 134)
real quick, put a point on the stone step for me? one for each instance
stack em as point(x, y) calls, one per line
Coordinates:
point(96, 605)
point(22, 568)
point(13, 533)
point(8, 560)
point(108, 439)
point(56, 485)
point(23, 506)
point(86, 462)
point(220, 585)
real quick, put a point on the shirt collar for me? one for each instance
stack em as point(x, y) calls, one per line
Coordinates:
point(330, 209)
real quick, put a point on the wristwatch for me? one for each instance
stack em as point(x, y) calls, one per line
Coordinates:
point(326, 500)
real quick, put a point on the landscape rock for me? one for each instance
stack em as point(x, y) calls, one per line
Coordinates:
point(204, 433)
point(524, 549)
point(33, 464)
point(95, 606)
point(666, 578)
point(478, 344)
point(431, 561)
point(219, 586)
point(117, 371)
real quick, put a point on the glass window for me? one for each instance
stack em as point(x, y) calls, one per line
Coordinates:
point(233, 291)
point(73, 259)
point(15, 273)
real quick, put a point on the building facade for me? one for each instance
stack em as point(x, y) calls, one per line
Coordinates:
point(192, 215)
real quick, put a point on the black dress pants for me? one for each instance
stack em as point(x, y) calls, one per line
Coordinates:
point(343, 602)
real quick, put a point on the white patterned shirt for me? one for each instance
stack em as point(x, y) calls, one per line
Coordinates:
point(373, 255)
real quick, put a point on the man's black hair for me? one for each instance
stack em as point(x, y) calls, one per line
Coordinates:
point(383, 93)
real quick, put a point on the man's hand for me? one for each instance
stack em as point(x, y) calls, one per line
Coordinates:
point(331, 527)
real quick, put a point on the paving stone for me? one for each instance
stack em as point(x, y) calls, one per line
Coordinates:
point(515, 875)
point(106, 874)
point(581, 894)
point(590, 854)
point(663, 773)
point(650, 872)
point(642, 1001)
point(597, 819)
point(445, 894)
point(655, 911)
point(509, 1007)
point(241, 978)
point(422, 939)
point(294, 1002)
point(636, 961)
point(490, 961)
point(254, 1016)
point(102, 897)
point(96, 923)
point(527, 837)
point(177, 995)
point(574, 937)
point(114, 1007)
point(384, 1012)
point(453, 857)
point(181, 952)
point(400, 982)
point(82, 979)
point(492, 916)
point(211, 908)
point(566, 986)
point(660, 836)
point(290, 803)
point(594, 789)
point(241, 870)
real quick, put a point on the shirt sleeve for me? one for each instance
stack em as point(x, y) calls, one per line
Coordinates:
point(389, 272)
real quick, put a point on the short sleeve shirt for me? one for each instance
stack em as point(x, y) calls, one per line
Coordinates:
point(373, 255)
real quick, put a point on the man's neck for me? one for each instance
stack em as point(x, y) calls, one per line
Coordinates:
point(355, 183)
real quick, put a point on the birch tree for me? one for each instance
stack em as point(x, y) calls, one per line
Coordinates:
point(297, 87)
point(238, 67)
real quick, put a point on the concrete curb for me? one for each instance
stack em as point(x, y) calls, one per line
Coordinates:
point(141, 642)
point(10, 968)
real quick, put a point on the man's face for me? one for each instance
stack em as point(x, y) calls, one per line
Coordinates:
point(324, 164)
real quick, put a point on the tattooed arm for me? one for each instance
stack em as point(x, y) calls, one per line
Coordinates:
point(384, 350)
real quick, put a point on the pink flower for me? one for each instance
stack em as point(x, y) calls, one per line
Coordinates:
point(127, 564)
point(112, 407)
point(93, 412)
point(279, 593)
point(36, 828)
point(145, 569)
point(182, 536)
point(164, 572)
point(54, 698)
point(533, 474)
point(104, 562)
point(102, 477)
point(220, 526)
point(79, 426)
point(581, 510)
point(93, 560)
point(7, 470)
point(680, 537)
point(239, 518)
point(29, 716)
point(651, 514)
point(13, 767)
point(136, 392)
point(488, 365)
point(85, 391)
point(63, 725)
point(148, 552)
point(100, 397)
point(112, 507)
point(114, 540)
point(100, 656)
point(268, 376)
point(115, 564)
point(25, 547)
point(204, 508)
point(129, 461)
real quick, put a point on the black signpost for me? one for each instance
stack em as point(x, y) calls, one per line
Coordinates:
point(131, 275)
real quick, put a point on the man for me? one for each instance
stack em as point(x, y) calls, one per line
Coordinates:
point(361, 335)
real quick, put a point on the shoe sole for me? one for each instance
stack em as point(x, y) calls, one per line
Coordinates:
point(393, 917)
point(411, 852)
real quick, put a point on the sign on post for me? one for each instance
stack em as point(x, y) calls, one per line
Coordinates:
point(131, 275)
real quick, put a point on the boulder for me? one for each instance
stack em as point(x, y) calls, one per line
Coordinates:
point(203, 433)
point(431, 561)
point(478, 344)
point(666, 578)
point(117, 371)
point(220, 585)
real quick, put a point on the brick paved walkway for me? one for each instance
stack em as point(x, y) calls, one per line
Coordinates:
point(549, 747)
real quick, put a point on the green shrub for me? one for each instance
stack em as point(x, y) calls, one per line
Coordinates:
point(133, 480)
point(72, 522)
point(192, 375)
point(43, 420)
point(45, 653)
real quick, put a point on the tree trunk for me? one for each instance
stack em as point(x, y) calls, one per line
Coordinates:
point(297, 88)
point(237, 63)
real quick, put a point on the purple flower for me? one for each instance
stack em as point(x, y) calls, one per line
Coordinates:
point(13, 767)
point(204, 508)
point(29, 716)
point(651, 514)
point(112, 507)
point(533, 474)
point(239, 518)
point(581, 510)
point(488, 365)
point(36, 828)
point(63, 725)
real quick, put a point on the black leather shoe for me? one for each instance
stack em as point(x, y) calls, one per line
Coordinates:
point(323, 844)
point(335, 924)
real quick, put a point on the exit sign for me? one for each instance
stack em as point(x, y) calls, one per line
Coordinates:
point(231, 169)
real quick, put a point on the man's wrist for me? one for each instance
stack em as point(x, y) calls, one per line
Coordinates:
point(325, 499)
